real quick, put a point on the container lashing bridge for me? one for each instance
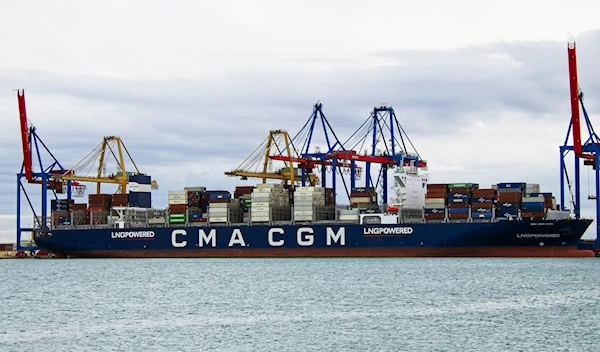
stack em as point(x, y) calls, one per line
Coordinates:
point(587, 150)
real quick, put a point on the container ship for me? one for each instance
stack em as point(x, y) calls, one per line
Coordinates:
point(276, 220)
point(421, 219)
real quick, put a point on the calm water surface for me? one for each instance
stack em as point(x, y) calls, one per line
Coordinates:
point(300, 305)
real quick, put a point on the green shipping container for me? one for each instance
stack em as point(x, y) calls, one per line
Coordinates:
point(176, 218)
point(461, 185)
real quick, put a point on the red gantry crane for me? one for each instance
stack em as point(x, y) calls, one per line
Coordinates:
point(587, 150)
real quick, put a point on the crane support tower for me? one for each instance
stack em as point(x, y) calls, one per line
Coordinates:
point(47, 167)
point(587, 150)
point(384, 142)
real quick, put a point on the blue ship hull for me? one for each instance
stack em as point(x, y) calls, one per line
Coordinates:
point(524, 238)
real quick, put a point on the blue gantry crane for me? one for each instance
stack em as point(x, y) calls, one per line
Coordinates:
point(44, 175)
point(309, 158)
point(587, 150)
point(385, 142)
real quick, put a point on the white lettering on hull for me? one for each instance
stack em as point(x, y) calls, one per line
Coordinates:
point(174, 235)
point(538, 235)
point(388, 230)
point(305, 237)
point(132, 234)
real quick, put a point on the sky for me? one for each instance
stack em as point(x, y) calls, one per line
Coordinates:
point(193, 87)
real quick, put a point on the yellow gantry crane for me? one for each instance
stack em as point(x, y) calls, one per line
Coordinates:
point(259, 163)
point(111, 147)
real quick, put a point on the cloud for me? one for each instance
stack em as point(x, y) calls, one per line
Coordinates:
point(482, 113)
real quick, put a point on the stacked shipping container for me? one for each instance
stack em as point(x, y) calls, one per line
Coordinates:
point(312, 204)
point(436, 201)
point(270, 202)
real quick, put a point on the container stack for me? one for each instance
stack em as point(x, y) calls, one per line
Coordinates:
point(79, 213)
point(244, 194)
point(459, 199)
point(533, 207)
point(270, 202)
point(549, 200)
point(310, 204)
point(509, 199)
point(119, 200)
point(99, 202)
point(363, 198)
point(61, 211)
point(140, 189)
point(436, 201)
point(197, 207)
point(482, 204)
point(329, 197)
point(177, 200)
point(222, 208)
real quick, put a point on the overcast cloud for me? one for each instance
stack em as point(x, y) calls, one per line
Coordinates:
point(192, 91)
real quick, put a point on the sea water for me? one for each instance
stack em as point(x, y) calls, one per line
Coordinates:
point(300, 305)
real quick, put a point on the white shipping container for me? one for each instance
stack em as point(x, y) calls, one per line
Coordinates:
point(218, 205)
point(136, 187)
point(349, 217)
point(435, 201)
point(308, 198)
point(360, 199)
point(303, 207)
point(349, 212)
point(178, 191)
point(260, 204)
point(212, 211)
point(303, 213)
point(178, 196)
point(260, 213)
point(157, 220)
point(177, 201)
point(218, 219)
point(301, 204)
point(259, 218)
point(303, 218)
point(260, 209)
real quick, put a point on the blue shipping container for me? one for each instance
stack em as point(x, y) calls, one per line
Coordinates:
point(140, 199)
point(195, 216)
point(481, 210)
point(545, 194)
point(141, 179)
point(435, 211)
point(458, 210)
point(515, 185)
point(533, 205)
point(482, 216)
point(482, 200)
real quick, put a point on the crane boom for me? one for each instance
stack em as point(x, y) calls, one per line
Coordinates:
point(27, 163)
point(574, 90)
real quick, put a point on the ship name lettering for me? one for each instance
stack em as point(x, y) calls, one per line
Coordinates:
point(204, 238)
point(174, 235)
point(388, 230)
point(334, 237)
point(237, 238)
point(132, 234)
point(538, 235)
point(307, 240)
point(272, 242)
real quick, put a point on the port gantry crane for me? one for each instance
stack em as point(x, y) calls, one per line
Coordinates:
point(56, 179)
point(588, 151)
point(259, 165)
point(316, 159)
point(111, 146)
point(33, 146)
point(388, 147)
